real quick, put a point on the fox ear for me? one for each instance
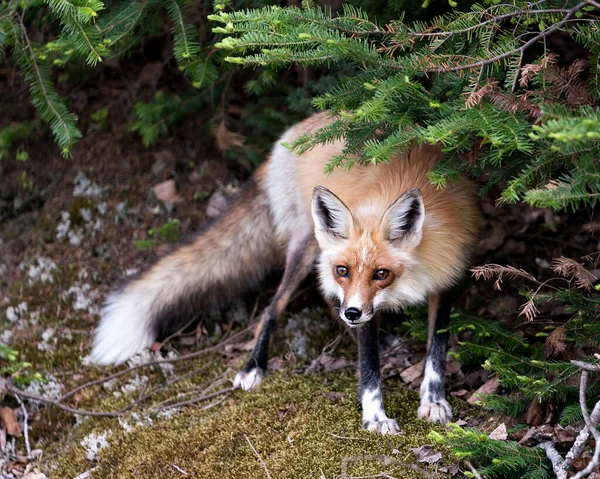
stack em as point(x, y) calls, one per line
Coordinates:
point(330, 214)
point(403, 220)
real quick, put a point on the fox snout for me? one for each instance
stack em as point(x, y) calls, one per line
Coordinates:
point(355, 316)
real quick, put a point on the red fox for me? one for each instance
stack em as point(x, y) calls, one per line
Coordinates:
point(387, 238)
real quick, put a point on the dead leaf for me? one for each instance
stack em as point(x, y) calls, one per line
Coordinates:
point(217, 204)
point(427, 454)
point(565, 435)
point(167, 192)
point(581, 463)
point(335, 397)
point(492, 240)
point(2, 438)
point(534, 414)
point(163, 159)
point(284, 412)
point(32, 472)
point(489, 387)
point(327, 363)
point(413, 373)
point(499, 433)
point(452, 367)
point(227, 139)
point(535, 435)
point(9, 418)
point(461, 393)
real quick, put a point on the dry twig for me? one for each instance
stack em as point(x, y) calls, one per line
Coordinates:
point(561, 466)
point(386, 461)
point(264, 465)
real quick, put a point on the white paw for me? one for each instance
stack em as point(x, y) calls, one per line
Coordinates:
point(439, 411)
point(248, 380)
point(387, 426)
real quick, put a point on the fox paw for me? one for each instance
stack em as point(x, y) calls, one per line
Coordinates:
point(439, 411)
point(387, 426)
point(248, 380)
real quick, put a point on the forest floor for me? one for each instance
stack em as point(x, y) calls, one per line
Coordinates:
point(70, 229)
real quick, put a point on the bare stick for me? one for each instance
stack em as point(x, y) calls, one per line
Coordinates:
point(55, 402)
point(560, 465)
point(178, 469)
point(386, 461)
point(258, 456)
point(25, 427)
point(195, 400)
point(555, 458)
point(183, 357)
point(473, 470)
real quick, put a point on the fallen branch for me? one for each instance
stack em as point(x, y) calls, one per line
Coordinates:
point(9, 387)
point(387, 461)
point(561, 466)
point(25, 427)
point(264, 465)
point(183, 357)
point(195, 400)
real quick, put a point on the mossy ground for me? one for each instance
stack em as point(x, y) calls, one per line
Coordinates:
point(302, 426)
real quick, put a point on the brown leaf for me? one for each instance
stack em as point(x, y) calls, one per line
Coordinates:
point(535, 435)
point(9, 419)
point(565, 435)
point(556, 340)
point(427, 454)
point(327, 363)
point(411, 374)
point(167, 192)
point(534, 415)
point(335, 397)
point(499, 433)
point(461, 393)
point(227, 139)
point(284, 412)
point(489, 387)
point(32, 472)
point(217, 203)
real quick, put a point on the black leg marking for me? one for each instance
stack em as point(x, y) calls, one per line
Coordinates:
point(299, 262)
point(434, 406)
point(374, 417)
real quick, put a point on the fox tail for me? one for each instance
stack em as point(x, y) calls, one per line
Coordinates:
point(228, 258)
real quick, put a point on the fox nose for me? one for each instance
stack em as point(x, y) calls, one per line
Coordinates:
point(352, 314)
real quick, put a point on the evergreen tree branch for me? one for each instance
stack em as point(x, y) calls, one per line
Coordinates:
point(495, 59)
point(49, 104)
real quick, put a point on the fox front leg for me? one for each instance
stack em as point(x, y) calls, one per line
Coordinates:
point(434, 406)
point(371, 398)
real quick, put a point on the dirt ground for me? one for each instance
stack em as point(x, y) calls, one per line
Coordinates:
point(70, 229)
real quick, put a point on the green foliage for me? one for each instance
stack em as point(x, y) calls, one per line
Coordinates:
point(458, 79)
point(19, 371)
point(90, 31)
point(154, 118)
point(13, 133)
point(170, 232)
point(500, 459)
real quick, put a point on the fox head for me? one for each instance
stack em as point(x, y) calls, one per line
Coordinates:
point(370, 266)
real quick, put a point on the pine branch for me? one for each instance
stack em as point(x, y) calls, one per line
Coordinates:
point(49, 104)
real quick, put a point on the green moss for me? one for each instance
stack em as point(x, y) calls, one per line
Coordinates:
point(297, 426)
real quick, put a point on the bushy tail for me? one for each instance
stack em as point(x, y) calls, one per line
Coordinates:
point(227, 259)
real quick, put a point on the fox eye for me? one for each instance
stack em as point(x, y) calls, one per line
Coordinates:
point(381, 274)
point(342, 271)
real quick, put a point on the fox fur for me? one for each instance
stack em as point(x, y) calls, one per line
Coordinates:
point(401, 240)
